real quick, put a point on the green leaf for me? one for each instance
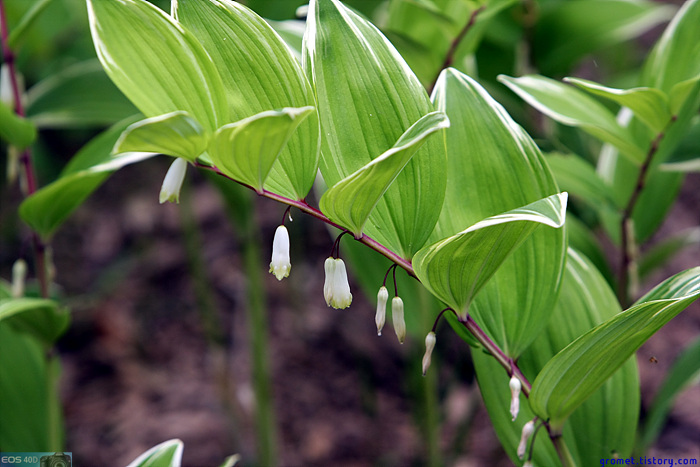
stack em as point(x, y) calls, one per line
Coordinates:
point(246, 150)
point(27, 20)
point(487, 149)
point(606, 422)
point(292, 33)
point(46, 209)
point(155, 62)
point(571, 107)
point(259, 73)
point(351, 201)
point(456, 268)
point(579, 178)
point(660, 253)
point(583, 366)
point(174, 134)
point(673, 58)
point(650, 105)
point(79, 96)
point(583, 239)
point(14, 129)
point(39, 317)
point(568, 31)
point(685, 103)
point(367, 97)
point(166, 454)
point(684, 372)
point(28, 394)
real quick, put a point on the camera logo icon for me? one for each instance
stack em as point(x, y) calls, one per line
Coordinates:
point(57, 459)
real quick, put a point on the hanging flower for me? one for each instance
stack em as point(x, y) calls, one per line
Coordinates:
point(336, 289)
point(380, 316)
point(430, 340)
point(528, 429)
point(19, 274)
point(280, 264)
point(397, 318)
point(173, 181)
point(515, 387)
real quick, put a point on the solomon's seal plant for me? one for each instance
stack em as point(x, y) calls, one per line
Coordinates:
point(446, 186)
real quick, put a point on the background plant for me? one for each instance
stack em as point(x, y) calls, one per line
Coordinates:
point(187, 116)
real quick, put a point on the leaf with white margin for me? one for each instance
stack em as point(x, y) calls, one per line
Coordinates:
point(456, 268)
point(569, 106)
point(159, 65)
point(173, 134)
point(650, 105)
point(166, 454)
point(576, 372)
point(350, 201)
point(247, 149)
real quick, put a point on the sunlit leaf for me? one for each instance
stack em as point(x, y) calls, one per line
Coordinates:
point(649, 104)
point(155, 62)
point(487, 149)
point(246, 150)
point(569, 106)
point(456, 268)
point(367, 98)
point(350, 201)
point(583, 366)
point(606, 421)
point(175, 134)
point(166, 454)
point(673, 59)
point(259, 73)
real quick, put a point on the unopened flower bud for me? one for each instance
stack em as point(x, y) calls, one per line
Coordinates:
point(380, 316)
point(515, 387)
point(528, 429)
point(336, 289)
point(6, 95)
point(429, 346)
point(280, 264)
point(397, 318)
point(19, 274)
point(173, 181)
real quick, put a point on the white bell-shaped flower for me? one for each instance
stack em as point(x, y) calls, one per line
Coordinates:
point(6, 95)
point(380, 316)
point(336, 289)
point(515, 387)
point(528, 430)
point(19, 275)
point(430, 340)
point(173, 181)
point(397, 318)
point(280, 264)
